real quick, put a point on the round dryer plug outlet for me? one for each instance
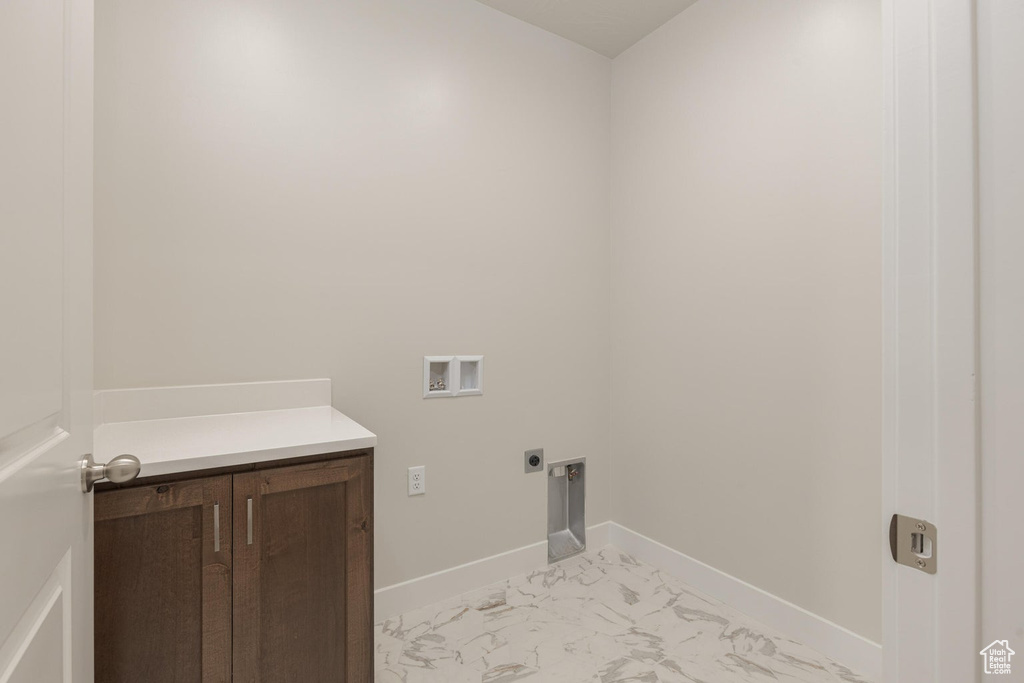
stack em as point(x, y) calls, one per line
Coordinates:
point(534, 460)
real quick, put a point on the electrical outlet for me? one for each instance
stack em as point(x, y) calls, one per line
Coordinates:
point(534, 460)
point(417, 480)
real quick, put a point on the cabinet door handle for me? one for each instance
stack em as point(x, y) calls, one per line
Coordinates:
point(216, 527)
point(249, 506)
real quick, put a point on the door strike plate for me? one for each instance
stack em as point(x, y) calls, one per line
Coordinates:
point(914, 543)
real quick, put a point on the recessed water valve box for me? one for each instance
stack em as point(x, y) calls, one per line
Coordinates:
point(447, 376)
point(437, 376)
point(567, 509)
point(471, 375)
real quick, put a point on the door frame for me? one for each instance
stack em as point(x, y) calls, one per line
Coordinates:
point(931, 453)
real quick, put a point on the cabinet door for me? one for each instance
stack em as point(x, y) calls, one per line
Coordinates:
point(163, 583)
point(303, 601)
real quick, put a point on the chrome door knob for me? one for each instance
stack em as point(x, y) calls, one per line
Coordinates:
point(119, 470)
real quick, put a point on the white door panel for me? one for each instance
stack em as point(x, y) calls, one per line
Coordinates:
point(45, 626)
point(46, 564)
point(31, 175)
point(37, 666)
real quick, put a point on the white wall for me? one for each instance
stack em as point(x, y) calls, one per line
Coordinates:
point(746, 296)
point(1001, 243)
point(302, 189)
point(297, 188)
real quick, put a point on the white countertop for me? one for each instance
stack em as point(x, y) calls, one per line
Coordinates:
point(187, 442)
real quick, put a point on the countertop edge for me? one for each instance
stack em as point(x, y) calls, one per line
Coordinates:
point(218, 460)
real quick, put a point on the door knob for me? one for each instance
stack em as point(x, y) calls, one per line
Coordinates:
point(119, 470)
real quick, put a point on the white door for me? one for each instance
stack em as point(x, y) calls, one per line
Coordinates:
point(46, 565)
point(1001, 247)
point(931, 427)
point(955, 334)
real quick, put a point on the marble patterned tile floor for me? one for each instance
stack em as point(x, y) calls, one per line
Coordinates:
point(601, 616)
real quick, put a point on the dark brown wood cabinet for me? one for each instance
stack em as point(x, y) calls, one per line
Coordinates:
point(262, 574)
point(163, 582)
point(303, 596)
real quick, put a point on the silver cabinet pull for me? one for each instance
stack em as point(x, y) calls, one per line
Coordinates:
point(216, 527)
point(249, 505)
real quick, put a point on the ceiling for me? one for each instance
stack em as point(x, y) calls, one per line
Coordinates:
point(605, 26)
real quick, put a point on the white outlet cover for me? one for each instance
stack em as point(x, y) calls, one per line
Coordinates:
point(417, 480)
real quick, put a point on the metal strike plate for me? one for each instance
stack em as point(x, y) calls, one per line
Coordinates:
point(914, 543)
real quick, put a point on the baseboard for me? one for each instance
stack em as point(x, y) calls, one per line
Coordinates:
point(856, 652)
point(425, 590)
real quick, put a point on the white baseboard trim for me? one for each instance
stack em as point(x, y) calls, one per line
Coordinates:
point(846, 647)
point(425, 590)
